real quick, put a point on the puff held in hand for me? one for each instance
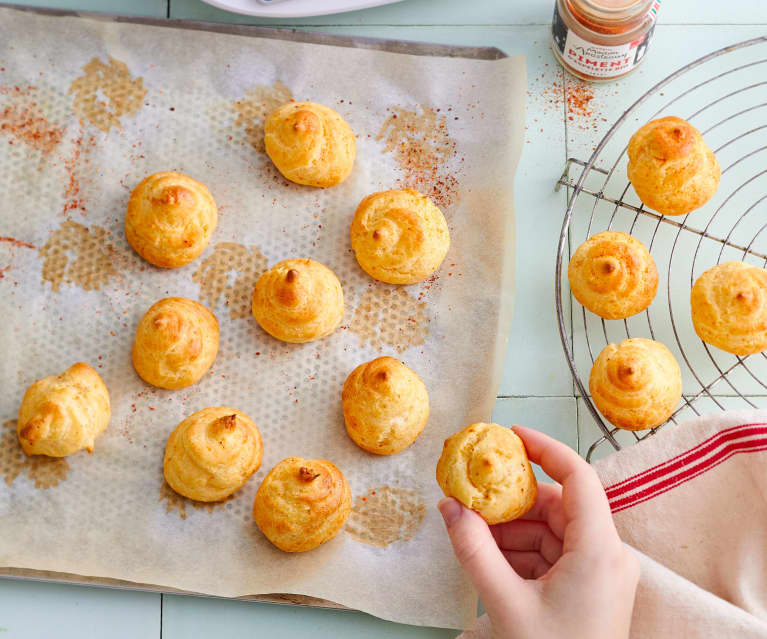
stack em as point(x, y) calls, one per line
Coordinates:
point(62, 414)
point(485, 467)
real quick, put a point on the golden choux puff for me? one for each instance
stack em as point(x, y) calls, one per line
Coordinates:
point(485, 467)
point(613, 275)
point(636, 384)
point(302, 503)
point(671, 168)
point(62, 414)
point(385, 404)
point(170, 219)
point(176, 343)
point(729, 307)
point(298, 301)
point(399, 236)
point(212, 453)
point(310, 144)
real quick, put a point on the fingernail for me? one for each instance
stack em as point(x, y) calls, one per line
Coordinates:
point(450, 510)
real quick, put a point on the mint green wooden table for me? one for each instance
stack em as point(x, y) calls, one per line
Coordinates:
point(536, 389)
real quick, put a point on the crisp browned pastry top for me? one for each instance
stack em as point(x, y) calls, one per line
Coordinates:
point(170, 219)
point(671, 168)
point(176, 343)
point(302, 503)
point(729, 307)
point(62, 414)
point(636, 384)
point(212, 453)
point(310, 143)
point(613, 275)
point(298, 300)
point(385, 404)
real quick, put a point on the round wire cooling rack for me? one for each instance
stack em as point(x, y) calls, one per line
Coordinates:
point(723, 96)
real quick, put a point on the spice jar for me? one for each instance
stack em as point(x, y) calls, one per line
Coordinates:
point(601, 40)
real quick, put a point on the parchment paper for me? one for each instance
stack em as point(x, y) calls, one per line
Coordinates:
point(90, 107)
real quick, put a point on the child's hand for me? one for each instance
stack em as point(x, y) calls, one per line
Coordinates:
point(559, 571)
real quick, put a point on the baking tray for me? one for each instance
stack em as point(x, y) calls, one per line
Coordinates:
point(290, 35)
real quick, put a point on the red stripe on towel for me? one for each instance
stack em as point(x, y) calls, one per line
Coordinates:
point(687, 466)
point(655, 471)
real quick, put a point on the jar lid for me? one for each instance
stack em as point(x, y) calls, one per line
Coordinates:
point(612, 11)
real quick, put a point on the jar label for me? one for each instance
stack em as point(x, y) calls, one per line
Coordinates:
point(597, 60)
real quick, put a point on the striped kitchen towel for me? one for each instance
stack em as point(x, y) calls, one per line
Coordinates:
point(692, 500)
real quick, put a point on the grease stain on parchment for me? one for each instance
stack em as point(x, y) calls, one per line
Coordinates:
point(422, 146)
point(386, 515)
point(253, 108)
point(22, 119)
point(46, 472)
point(176, 503)
point(230, 271)
point(390, 317)
point(105, 93)
point(78, 255)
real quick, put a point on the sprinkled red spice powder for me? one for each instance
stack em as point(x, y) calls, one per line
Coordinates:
point(15, 242)
point(75, 166)
point(579, 97)
point(22, 119)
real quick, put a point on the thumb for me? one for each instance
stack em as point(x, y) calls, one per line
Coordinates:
point(479, 556)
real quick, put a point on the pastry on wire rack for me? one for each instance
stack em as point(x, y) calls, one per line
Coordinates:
point(170, 219)
point(176, 343)
point(485, 467)
point(729, 307)
point(671, 168)
point(613, 275)
point(302, 503)
point(298, 300)
point(310, 143)
point(62, 414)
point(636, 384)
point(212, 453)
point(386, 406)
point(399, 236)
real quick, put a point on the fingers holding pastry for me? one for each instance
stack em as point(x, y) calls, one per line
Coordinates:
point(298, 301)
point(302, 503)
point(176, 343)
point(399, 236)
point(636, 384)
point(62, 414)
point(613, 275)
point(310, 144)
point(671, 168)
point(212, 453)
point(485, 467)
point(170, 219)
point(729, 307)
point(386, 406)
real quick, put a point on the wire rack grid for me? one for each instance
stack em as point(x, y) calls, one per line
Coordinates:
point(723, 96)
